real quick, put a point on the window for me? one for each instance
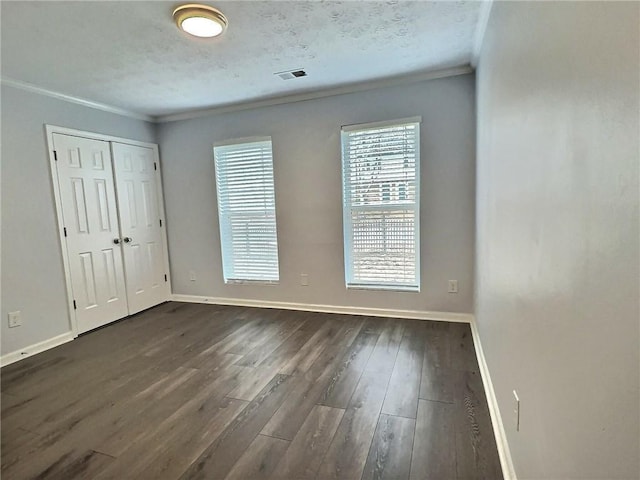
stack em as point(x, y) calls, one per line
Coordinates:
point(381, 198)
point(247, 210)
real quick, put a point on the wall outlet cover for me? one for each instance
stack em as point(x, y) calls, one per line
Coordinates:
point(15, 319)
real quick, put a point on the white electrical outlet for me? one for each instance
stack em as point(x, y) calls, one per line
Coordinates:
point(453, 286)
point(192, 275)
point(304, 279)
point(15, 319)
point(516, 410)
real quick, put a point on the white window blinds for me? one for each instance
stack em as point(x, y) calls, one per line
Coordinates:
point(247, 210)
point(381, 198)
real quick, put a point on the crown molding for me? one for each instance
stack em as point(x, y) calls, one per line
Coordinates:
point(70, 98)
point(329, 92)
point(481, 29)
point(280, 100)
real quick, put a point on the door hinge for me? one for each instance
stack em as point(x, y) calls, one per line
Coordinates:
point(160, 222)
point(165, 277)
point(55, 155)
point(75, 307)
point(155, 166)
point(64, 229)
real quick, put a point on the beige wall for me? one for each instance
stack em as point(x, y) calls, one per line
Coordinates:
point(32, 272)
point(557, 233)
point(307, 169)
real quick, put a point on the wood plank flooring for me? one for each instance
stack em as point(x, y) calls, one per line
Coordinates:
point(187, 391)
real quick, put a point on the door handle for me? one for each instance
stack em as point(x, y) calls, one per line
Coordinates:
point(127, 239)
point(116, 241)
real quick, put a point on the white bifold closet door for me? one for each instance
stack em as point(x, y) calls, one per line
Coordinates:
point(114, 241)
point(91, 228)
point(140, 226)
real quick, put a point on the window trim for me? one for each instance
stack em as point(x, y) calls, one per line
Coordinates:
point(386, 123)
point(346, 219)
point(240, 141)
point(229, 143)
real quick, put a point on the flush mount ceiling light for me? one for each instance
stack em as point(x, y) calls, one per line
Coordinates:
point(200, 20)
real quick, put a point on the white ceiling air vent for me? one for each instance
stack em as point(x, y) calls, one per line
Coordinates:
point(289, 74)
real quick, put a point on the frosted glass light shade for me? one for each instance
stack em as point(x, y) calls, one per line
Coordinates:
point(200, 20)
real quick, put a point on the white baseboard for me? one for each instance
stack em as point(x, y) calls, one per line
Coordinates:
point(35, 348)
point(496, 419)
point(306, 307)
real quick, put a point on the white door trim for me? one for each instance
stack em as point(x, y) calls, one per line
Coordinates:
point(49, 131)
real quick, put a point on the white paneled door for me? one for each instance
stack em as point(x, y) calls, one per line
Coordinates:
point(109, 202)
point(92, 235)
point(141, 226)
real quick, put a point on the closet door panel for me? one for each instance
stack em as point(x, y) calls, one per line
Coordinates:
point(89, 211)
point(137, 185)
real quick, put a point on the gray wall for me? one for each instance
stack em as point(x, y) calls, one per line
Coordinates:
point(306, 147)
point(557, 233)
point(32, 273)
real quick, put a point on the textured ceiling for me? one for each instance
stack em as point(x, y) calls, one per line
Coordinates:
point(130, 55)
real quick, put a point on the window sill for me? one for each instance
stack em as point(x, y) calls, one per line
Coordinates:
point(386, 288)
point(252, 282)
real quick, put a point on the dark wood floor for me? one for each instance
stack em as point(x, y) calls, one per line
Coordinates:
point(187, 391)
